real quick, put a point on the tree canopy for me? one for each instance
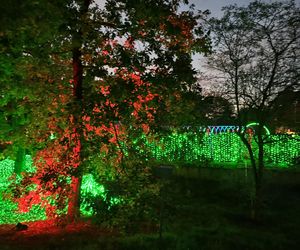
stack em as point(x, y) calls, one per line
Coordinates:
point(257, 51)
point(79, 83)
point(256, 59)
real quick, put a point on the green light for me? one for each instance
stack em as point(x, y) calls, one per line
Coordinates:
point(93, 193)
point(89, 185)
point(52, 136)
point(189, 147)
point(6, 170)
point(222, 148)
point(8, 209)
point(256, 124)
point(90, 190)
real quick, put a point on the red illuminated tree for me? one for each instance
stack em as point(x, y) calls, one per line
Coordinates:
point(104, 77)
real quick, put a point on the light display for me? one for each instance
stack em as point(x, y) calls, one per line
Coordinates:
point(221, 129)
point(252, 124)
point(191, 147)
point(90, 189)
point(6, 170)
point(213, 146)
point(282, 150)
point(9, 210)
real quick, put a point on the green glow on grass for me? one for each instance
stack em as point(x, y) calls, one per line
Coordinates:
point(9, 213)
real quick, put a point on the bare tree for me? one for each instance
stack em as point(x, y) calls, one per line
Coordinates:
point(256, 51)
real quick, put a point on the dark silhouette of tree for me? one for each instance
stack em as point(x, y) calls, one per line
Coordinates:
point(217, 110)
point(257, 57)
point(285, 111)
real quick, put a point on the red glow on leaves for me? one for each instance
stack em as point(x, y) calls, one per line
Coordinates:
point(26, 202)
point(129, 43)
point(146, 128)
point(105, 52)
point(58, 160)
point(104, 90)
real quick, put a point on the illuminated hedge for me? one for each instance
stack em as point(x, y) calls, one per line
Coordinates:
point(188, 147)
point(9, 213)
point(8, 209)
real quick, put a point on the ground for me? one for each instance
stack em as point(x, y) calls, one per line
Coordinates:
point(47, 235)
point(204, 209)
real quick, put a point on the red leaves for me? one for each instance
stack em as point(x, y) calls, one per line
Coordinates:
point(129, 43)
point(177, 31)
point(57, 161)
point(27, 201)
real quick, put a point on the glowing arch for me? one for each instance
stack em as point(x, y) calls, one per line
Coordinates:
point(255, 124)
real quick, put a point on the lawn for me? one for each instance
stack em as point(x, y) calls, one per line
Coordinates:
point(206, 208)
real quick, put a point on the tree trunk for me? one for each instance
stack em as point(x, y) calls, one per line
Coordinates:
point(256, 178)
point(74, 199)
point(20, 160)
point(257, 204)
point(77, 42)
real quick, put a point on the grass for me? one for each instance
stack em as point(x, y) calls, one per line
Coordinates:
point(206, 209)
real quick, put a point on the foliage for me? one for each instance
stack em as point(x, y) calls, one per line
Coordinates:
point(216, 110)
point(10, 210)
point(131, 190)
point(82, 83)
point(285, 110)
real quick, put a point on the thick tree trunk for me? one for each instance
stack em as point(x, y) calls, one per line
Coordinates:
point(20, 160)
point(74, 199)
point(77, 41)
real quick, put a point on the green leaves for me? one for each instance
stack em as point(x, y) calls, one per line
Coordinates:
point(97, 79)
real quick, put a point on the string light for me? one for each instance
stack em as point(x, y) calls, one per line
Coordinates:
point(217, 145)
point(223, 147)
point(9, 213)
point(90, 188)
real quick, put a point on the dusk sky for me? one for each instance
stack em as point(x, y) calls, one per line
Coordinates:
point(215, 7)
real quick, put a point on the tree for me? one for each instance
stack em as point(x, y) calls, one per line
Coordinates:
point(216, 110)
point(286, 110)
point(107, 74)
point(25, 36)
point(256, 52)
